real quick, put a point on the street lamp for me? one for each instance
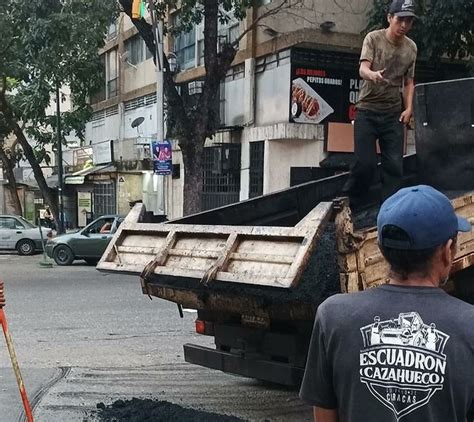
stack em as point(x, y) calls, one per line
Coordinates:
point(172, 62)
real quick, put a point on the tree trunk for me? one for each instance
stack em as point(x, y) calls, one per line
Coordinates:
point(48, 194)
point(8, 165)
point(193, 176)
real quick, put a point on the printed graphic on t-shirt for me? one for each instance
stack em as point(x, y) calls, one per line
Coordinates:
point(402, 362)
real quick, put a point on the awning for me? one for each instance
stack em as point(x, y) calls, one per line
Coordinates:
point(79, 177)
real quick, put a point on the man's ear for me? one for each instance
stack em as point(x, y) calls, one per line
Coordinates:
point(447, 253)
point(389, 17)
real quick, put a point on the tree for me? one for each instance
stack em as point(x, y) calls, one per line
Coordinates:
point(193, 119)
point(442, 27)
point(8, 158)
point(45, 44)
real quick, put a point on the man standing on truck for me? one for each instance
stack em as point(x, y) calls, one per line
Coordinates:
point(402, 351)
point(387, 66)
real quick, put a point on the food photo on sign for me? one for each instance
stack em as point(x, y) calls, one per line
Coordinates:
point(307, 106)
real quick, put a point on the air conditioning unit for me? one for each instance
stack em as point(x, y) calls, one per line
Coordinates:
point(143, 152)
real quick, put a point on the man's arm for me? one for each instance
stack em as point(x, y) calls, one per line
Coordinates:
point(324, 415)
point(408, 93)
point(366, 73)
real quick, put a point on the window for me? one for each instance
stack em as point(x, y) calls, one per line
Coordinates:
point(185, 49)
point(104, 198)
point(112, 32)
point(137, 51)
point(10, 223)
point(100, 95)
point(110, 70)
point(189, 46)
point(112, 73)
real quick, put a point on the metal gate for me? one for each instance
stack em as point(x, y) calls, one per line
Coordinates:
point(104, 199)
point(257, 150)
point(221, 176)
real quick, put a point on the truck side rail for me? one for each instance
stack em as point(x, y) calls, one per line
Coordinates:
point(361, 263)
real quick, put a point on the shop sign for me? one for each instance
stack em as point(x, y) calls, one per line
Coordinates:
point(84, 207)
point(102, 152)
point(320, 95)
point(162, 157)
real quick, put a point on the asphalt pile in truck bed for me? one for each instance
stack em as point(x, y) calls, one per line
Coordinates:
point(144, 410)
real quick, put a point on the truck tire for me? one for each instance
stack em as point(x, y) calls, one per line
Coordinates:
point(25, 247)
point(63, 255)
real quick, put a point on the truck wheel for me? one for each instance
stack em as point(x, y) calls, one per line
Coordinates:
point(63, 255)
point(25, 247)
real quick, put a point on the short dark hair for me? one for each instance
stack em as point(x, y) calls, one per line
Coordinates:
point(406, 262)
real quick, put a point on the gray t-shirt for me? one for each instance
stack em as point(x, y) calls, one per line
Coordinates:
point(392, 353)
point(398, 60)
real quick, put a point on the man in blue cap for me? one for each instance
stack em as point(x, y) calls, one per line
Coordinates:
point(403, 351)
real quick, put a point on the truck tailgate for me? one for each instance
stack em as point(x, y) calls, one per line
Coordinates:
point(254, 255)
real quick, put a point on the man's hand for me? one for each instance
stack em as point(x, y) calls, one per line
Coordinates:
point(378, 77)
point(406, 116)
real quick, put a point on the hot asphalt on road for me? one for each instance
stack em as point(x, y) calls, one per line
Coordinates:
point(83, 337)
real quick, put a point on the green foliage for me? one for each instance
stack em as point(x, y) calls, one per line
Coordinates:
point(444, 27)
point(46, 43)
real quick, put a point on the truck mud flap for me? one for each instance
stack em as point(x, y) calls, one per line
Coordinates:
point(231, 363)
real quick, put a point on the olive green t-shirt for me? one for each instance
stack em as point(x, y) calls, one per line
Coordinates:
point(398, 60)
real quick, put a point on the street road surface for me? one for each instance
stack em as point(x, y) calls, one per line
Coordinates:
point(84, 337)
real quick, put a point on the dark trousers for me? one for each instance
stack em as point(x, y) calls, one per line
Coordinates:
point(386, 127)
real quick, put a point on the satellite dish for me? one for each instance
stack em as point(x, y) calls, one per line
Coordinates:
point(137, 122)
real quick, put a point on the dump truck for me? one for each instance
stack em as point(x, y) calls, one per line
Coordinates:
point(257, 270)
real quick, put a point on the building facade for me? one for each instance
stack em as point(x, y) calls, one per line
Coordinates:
point(287, 101)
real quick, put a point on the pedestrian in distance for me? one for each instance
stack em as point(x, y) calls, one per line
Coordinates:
point(49, 219)
point(403, 351)
point(385, 104)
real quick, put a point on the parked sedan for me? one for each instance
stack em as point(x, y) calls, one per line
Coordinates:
point(18, 233)
point(88, 244)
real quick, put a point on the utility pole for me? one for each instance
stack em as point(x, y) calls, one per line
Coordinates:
point(60, 162)
point(157, 25)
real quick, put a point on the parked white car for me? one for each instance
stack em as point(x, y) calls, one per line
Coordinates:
point(18, 233)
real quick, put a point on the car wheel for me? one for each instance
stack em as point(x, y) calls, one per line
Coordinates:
point(25, 247)
point(63, 255)
point(91, 261)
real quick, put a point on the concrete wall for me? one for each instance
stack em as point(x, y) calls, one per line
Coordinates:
point(281, 155)
point(273, 93)
point(234, 95)
point(146, 129)
point(136, 78)
point(103, 128)
point(130, 189)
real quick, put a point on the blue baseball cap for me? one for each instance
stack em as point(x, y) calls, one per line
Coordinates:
point(424, 214)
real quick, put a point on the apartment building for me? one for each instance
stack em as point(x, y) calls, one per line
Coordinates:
point(267, 140)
